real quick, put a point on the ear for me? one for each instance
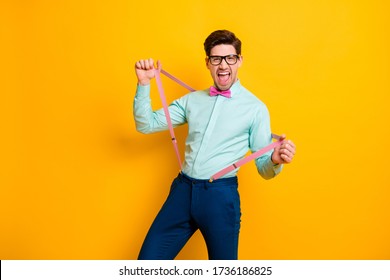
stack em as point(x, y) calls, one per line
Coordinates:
point(240, 60)
point(207, 63)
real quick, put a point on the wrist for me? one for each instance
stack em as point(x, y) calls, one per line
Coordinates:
point(272, 160)
point(143, 82)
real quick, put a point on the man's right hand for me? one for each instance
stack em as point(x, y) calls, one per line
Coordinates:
point(144, 69)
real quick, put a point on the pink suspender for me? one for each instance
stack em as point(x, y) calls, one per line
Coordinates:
point(173, 138)
point(177, 80)
point(167, 115)
point(247, 159)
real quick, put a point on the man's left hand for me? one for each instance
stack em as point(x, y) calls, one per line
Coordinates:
point(285, 152)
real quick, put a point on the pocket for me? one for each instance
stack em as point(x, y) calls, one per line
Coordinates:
point(229, 196)
point(235, 201)
point(173, 185)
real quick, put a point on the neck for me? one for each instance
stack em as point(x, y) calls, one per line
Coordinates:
point(227, 88)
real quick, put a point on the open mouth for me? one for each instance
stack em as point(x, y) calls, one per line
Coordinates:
point(223, 77)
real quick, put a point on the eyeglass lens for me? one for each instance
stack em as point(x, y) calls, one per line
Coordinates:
point(230, 59)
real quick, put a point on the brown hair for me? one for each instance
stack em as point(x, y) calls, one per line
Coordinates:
point(220, 37)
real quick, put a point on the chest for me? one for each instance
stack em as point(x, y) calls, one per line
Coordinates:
point(221, 116)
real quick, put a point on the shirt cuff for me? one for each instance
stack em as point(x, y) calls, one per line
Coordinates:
point(142, 91)
point(276, 166)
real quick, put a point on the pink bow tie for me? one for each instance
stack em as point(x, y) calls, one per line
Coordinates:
point(214, 91)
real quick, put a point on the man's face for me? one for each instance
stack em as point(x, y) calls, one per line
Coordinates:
point(224, 75)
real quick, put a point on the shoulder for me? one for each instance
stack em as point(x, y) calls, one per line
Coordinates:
point(251, 100)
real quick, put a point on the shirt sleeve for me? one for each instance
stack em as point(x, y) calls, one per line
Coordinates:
point(149, 121)
point(259, 137)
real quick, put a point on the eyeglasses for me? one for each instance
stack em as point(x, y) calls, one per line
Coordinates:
point(230, 59)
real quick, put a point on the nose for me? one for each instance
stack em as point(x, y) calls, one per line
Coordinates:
point(223, 64)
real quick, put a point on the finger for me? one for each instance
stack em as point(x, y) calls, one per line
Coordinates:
point(286, 155)
point(159, 65)
point(146, 64)
point(286, 152)
point(138, 64)
point(291, 145)
point(289, 148)
point(286, 142)
point(283, 139)
point(286, 158)
point(151, 64)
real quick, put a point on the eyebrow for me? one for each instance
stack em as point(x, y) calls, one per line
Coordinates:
point(222, 55)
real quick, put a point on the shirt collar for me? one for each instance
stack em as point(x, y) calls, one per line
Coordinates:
point(235, 88)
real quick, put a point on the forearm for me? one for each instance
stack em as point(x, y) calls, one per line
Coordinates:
point(149, 121)
point(146, 120)
point(260, 137)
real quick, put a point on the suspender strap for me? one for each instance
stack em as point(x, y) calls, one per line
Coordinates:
point(247, 159)
point(177, 80)
point(167, 115)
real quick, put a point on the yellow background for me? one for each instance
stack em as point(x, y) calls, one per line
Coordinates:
point(78, 182)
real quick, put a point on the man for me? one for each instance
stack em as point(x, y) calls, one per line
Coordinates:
point(222, 126)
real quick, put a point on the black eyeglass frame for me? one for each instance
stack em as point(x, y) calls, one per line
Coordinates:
point(223, 58)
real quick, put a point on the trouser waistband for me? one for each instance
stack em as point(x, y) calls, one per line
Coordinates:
point(193, 181)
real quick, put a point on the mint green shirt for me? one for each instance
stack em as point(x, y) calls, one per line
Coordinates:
point(220, 130)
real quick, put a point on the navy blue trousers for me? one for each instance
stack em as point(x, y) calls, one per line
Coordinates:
point(213, 208)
